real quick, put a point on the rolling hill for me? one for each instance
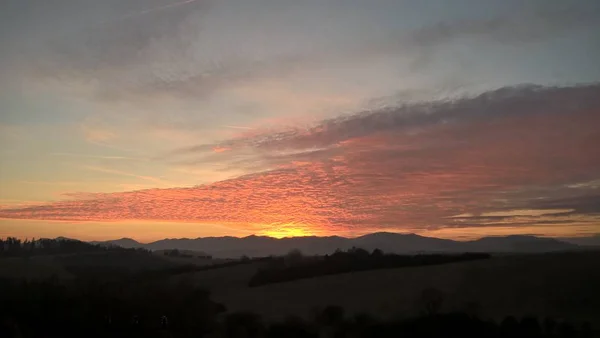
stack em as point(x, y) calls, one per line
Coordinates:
point(558, 284)
point(256, 246)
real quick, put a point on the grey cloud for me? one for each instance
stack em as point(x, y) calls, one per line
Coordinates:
point(585, 203)
point(530, 22)
point(506, 102)
point(119, 42)
point(163, 53)
point(526, 24)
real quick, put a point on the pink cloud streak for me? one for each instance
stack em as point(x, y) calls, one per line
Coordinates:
point(362, 173)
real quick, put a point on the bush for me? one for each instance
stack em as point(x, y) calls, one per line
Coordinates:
point(294, 266)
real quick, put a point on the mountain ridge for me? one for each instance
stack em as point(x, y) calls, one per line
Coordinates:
point(253, 245)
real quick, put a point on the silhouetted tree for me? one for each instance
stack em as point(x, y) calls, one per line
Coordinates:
point(549, 326)
point(331, 315)
point(566, 329)
point(432, 300)
point(509, 327)
point(530, 327)
point(14, 247)
point(292, 327)
point(294, 257)
point(294, 266)
point(377, 253)
point(244, 324)
point(586, 330)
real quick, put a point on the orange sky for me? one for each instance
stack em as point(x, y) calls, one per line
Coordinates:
point(469, 178)
point(170, 118)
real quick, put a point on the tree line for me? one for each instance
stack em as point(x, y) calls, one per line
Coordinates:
point(14, 247)
point(184, 254)
point(332, 321)
point(296, 266)
point(104, 308)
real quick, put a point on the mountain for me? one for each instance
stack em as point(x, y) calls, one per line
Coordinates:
point(126, 243)
point(593, 241)
point(257, 246)
point(400, 243)
point(519, 243)
point(61, 238)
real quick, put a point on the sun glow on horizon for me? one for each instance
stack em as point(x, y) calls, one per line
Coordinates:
point(287, 230)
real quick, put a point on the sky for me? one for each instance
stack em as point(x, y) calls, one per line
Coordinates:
point(158, 119)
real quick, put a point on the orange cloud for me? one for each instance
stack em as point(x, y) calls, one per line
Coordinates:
point(391, 170)
point(220, 149)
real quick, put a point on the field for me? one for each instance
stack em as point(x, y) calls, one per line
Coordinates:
point(562, 285)
point(32, 267)
point(67, 266)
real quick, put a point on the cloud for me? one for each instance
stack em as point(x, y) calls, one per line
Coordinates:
point(588, 203)
point(151, 10)
point(585, 185)
point(409, 167)
point(528, 23)
point(124, 173)
point(95, 134)
point(51, 182)
point(536, 104)
point(100, 157)
point(180, 52)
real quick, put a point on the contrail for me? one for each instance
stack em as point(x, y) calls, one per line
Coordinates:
point(151, 10)
point(238, 127)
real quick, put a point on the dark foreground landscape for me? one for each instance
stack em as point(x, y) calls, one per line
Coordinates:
point(66, 288)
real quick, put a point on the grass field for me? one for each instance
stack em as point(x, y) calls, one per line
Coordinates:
point(563, 285)
point(63, 265)
point(37, 267)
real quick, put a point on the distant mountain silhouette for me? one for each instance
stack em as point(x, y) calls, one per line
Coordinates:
point(127, 243)
point(255, 246)
point(593, 240)
point(519, 243)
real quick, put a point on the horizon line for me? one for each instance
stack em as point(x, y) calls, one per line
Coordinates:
point(314, 236)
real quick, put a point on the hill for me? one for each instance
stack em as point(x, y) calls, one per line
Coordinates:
point(67, 258)
point(521, 244)
point(260, 246)
point(560, 285)
point(593, 241)
point(123, 242)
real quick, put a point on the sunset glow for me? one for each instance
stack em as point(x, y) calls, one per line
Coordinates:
point(170, 118)
point(287, 230)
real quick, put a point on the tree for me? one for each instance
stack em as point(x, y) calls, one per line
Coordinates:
point(377, 253)
point(358, 252)
point(432, 300)
point(32, 246)
point(14, 245)
point(331, 315)
point(294, 257)
point(244, 324)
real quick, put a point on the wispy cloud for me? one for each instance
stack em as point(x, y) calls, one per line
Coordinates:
point(101, 157)
point(18, 203)
point(157, 54)
point(124, 173)
point(95, 135)
point(239, 127)
point(410, 167)
point(51, 182)
point(151, 10)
